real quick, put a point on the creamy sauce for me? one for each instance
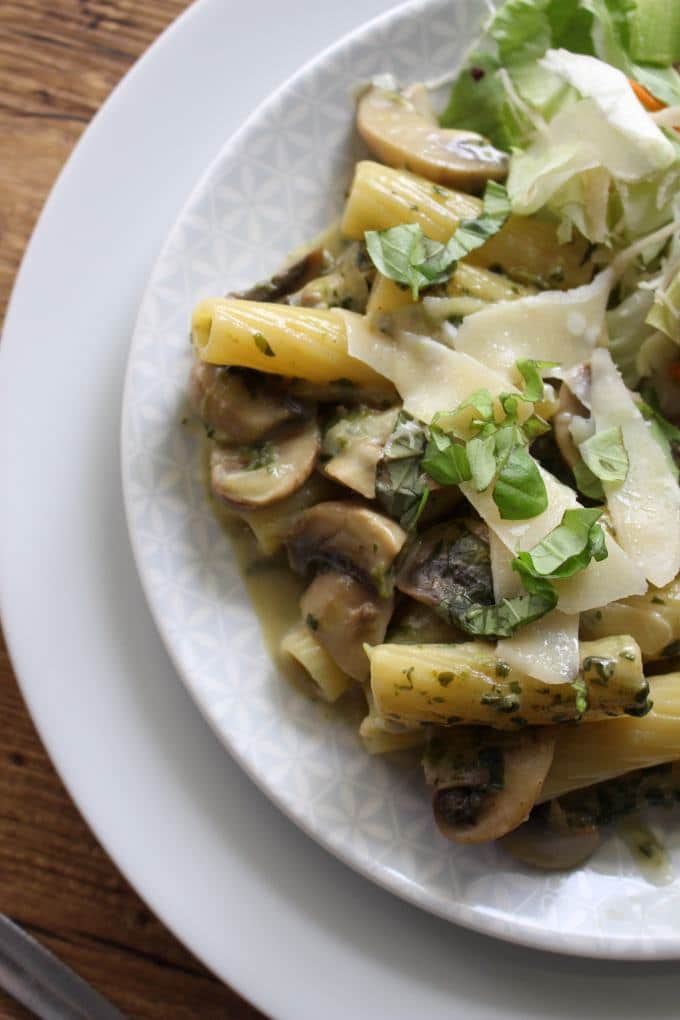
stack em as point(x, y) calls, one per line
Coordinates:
point(331, 239)
point(274, 592)
point(650, 855)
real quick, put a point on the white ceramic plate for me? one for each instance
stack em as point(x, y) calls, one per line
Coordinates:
point(279, 181)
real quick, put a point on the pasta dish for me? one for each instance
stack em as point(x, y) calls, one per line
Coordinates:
point(456, 417)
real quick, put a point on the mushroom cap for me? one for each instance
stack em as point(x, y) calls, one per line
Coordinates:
point(240, 407)
point(399, 135)
point(448, 567)
point(343, 615)
point(293, 276)
point(346, 536)
point(256, 476)
point(469, 807)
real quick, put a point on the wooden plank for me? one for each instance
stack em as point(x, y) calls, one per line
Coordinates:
point(59, 59)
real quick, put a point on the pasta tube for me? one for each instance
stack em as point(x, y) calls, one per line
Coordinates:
point(380, 736)
point(381, 197)
point(308, 343)
point(526, 249)
point(468, 684)
point(477, 282)
point(326, 675)
point(593, 754)
point(652, 619)
point(385, 297)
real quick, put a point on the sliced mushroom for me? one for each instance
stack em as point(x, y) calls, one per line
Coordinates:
point(486, 783)
point(240, 406)
point(342, 391)
point(287, 280)
point(255, 476)
point(347, 537)
point(345, 285)
point(343, 615)
point(448, 567)
point(441, 503)
point(540, 843)
point(399, 135)
point(354, 445)
point(416, 624)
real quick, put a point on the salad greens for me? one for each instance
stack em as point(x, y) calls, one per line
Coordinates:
point(619, 32)
point(551, 81)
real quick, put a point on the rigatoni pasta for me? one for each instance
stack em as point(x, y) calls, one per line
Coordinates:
point(469, 684)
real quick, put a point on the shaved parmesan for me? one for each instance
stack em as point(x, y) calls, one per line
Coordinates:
point(429, 377)
point(506, 581)
point(597, 585)
point(517, 535)
point(546, 649)
point(645, 508)
point(562, 326)
point(601, 583)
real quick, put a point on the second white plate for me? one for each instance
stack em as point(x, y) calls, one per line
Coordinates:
point(278, 182)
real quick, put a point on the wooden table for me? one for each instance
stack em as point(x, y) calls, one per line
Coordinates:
point(59, 59)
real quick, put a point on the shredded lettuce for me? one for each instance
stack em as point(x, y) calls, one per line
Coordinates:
point(515, 92)
point(655, 32)
point(600, 142)
point(617, 31)
point(665, 311)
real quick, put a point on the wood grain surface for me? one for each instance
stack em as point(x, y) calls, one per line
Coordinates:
point(59, 59)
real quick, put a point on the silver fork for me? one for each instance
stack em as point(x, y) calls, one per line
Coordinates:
point(45, 985)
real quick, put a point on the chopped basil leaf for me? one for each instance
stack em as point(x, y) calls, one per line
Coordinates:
point(446, 461)
point(565, 551)
point(262, 344)
point(520, 491)
point(530, 370)
point(605, 455)
point(401, 486)
point(503, 619)
point(586, 482)
point(535, 426)
point(399, 253)
point(458, 423)
point(405, 254)
point(481, 455)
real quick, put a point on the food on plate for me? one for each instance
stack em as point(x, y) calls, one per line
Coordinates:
point(457, 415)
